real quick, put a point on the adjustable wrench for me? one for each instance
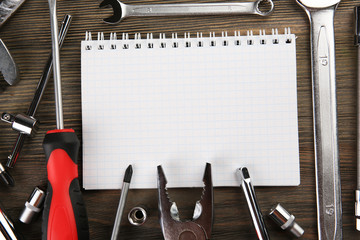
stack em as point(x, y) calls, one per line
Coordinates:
point(122, 10)
point(328, 190)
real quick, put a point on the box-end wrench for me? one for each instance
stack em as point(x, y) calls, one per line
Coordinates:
point(328, 191)
point(121, 10)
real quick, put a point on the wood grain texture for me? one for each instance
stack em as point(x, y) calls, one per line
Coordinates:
point(27, 35)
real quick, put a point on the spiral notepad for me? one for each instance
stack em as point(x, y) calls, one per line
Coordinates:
point(180, 102)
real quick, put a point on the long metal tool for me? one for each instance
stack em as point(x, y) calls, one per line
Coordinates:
point(64, 215)
point(120, 209)
point(328, 191)
point(254, 208)
point(30, 114)
point(122, 11)
point(357, 191)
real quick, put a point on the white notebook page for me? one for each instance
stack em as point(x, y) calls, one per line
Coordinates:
point(181, 107)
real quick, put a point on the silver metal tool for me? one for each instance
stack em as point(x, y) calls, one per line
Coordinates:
point(7, 64)
point(285, 220)
point(122, 10)
point(7, 9)
point(33, 206)
point(357, 191)
point(137, 216)
point(26, 124)
point(7, 228)
point(6, 177)
point(200, 226)
point(8, 67)
point(328, 191)
point(56, 64)
point(120, 209)
point(252, 203)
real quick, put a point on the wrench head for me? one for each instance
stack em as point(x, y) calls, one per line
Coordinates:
point(116, 6)
point(7, 65)
point(318, 3)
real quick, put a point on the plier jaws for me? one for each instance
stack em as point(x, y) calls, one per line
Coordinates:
point(199, 228)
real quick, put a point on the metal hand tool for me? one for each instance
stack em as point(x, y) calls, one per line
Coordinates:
point(33, 206)
point(137, 216)
point(8, 67)
point(27, 124)
point(10, 74)
point(285, 220)
point(122, 10)
point(64, 215)
point(120, 210)
point(357, 191)
point(253, 206)
point(7, 227)
point(200, 226)
point(328, 191)
point(8, 8)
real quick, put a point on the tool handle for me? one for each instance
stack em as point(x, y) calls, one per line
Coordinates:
point(64, 215)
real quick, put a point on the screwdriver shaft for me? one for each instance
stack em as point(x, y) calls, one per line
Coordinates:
point(56, 65)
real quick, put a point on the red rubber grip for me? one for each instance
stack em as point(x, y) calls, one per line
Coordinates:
point(64, 216)
point(61, 172)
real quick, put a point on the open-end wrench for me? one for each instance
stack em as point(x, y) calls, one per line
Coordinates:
point(122, 10)
point(328, 190)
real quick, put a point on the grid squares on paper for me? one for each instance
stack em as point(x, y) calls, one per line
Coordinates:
point(181, 107)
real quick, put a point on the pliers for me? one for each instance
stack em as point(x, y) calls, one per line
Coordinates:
point(199, 228)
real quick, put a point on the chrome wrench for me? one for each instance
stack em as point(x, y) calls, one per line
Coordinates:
point(328, 191)
point(122, 10)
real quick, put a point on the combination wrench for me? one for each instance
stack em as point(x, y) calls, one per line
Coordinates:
point(328, 191)
point(122, 11)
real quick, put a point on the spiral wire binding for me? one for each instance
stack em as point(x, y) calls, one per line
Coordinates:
point(250, 40)
point(187, 40)
point(138, 38)
point(237, 41)
point(225, 42)
point(101, 40)
point(199, 37)
point(175, 43)
point(125, 36)
point(262, 36)
point(163, 42)
point(113, 39)
point(288, 35)
point(275, 36)
point(149, 37)
point(212, 39)
point(88, 38)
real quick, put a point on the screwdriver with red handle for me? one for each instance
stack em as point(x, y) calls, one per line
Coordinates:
point(64, 216)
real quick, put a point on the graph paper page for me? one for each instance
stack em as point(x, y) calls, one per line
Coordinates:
point(231, 106)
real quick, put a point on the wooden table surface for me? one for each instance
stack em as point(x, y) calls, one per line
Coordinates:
point(27, 35)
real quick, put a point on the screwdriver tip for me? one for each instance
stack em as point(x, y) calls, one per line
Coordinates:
point(7, 178)
point(128, 174)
